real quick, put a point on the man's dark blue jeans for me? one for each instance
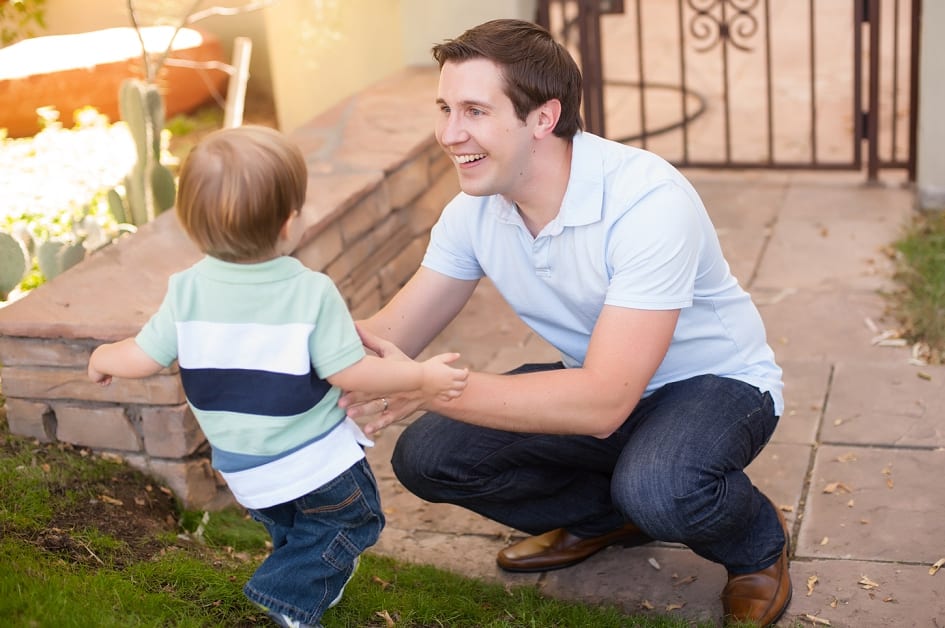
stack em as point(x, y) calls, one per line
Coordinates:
point(675, 468)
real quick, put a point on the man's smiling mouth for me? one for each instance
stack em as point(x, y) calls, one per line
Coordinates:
point(466, 159)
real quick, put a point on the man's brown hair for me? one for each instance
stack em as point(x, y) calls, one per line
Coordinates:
point(535, 67)
point(237, 188)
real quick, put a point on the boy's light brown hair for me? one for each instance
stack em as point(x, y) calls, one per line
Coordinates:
point(237, 188)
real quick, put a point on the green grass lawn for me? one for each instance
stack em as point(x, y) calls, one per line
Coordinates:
point(919, 303)
point(87, 541)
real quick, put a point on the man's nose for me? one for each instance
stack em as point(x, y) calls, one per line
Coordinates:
point(453, 131)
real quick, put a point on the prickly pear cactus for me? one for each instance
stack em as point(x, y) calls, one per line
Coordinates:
point(57, 256)
point(14, 263)
point(149, 187)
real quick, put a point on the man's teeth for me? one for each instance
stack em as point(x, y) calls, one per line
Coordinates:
point(465, 159)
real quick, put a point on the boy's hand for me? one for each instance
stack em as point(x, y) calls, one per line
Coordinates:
point(99, 378)
point(441, 380)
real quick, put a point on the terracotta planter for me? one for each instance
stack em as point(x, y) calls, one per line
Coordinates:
point(72, 71)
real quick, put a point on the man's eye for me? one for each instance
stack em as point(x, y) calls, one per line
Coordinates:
point(476, 112)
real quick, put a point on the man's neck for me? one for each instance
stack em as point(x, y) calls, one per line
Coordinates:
point(541, 202)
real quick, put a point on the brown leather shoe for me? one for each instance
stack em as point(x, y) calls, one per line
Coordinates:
point(559, 548)
point(763, 596)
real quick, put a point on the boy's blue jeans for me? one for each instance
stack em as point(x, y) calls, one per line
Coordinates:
point(315, 541)
point(675, 468)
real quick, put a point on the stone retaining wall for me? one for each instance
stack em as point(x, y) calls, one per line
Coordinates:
point(377, 184)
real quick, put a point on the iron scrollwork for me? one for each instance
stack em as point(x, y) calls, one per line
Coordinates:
point(720, 20)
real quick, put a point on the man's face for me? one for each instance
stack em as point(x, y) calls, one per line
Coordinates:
point(477, 126)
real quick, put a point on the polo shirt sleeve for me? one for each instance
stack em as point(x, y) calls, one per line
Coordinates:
point(451, 250)
point(158, 337)
point(334, 343)
point(653, 250)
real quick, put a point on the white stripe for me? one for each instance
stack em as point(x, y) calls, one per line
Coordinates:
point(274, 348)
point(302, 471)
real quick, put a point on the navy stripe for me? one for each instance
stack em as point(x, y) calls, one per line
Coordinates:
point(253, 392)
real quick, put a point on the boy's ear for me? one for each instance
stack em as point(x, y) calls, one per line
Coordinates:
point(548, 115)
point(287, 225)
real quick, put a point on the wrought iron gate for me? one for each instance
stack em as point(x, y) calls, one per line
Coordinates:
point(750, 83)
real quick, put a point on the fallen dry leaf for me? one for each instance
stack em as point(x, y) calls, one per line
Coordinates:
point(654, 563)
point(111, 500)
point(384, 583)
point(890, 600)
point(825, 540)
point(936, 566)
point(849, 457)
point(867, 584)
point(834, 487)
point(686, 580)
point(811, 581)
point(923, 375)
point(386, 617)
point(674, 607)
point(815, 620)
point(647, 605)
point(784, 508)
point(850, 504)
point(889, 482)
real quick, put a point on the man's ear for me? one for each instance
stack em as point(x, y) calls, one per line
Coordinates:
point(548, 115)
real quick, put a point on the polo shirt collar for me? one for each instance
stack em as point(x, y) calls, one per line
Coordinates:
point(583, 202)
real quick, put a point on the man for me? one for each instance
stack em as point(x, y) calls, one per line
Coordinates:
point(667, 388)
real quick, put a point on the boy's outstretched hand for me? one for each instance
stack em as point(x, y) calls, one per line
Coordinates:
point(441, 380)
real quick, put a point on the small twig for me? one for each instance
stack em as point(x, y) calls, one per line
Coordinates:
point(89, 550)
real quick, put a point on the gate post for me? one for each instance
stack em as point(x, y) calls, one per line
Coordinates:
point(930, 160)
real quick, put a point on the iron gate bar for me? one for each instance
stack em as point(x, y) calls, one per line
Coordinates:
point(859, 130)
point(872, 132)
point(682, 74)
point(592, 60)
point(895, 71)
point(812, 58)
point(769, 93)
point(641, 71)
point(914, 88)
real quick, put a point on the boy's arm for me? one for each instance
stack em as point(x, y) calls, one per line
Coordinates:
point(121, 359)
point(375, 376)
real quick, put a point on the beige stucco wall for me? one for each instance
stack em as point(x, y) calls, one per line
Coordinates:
point(930, 172)
point(426, 23)
point(322, 52)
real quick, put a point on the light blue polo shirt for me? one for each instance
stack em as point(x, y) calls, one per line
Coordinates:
point(632, 232)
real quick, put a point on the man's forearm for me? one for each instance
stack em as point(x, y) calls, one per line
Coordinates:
point(564, 401)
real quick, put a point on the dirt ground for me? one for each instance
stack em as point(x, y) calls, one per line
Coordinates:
point(126, 506)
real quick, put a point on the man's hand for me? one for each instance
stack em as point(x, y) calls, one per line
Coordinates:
point(379, 413)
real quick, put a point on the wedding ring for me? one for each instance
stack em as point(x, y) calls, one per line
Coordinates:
point(386, 405)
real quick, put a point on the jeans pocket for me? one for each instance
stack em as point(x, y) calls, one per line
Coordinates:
point(350, 504)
